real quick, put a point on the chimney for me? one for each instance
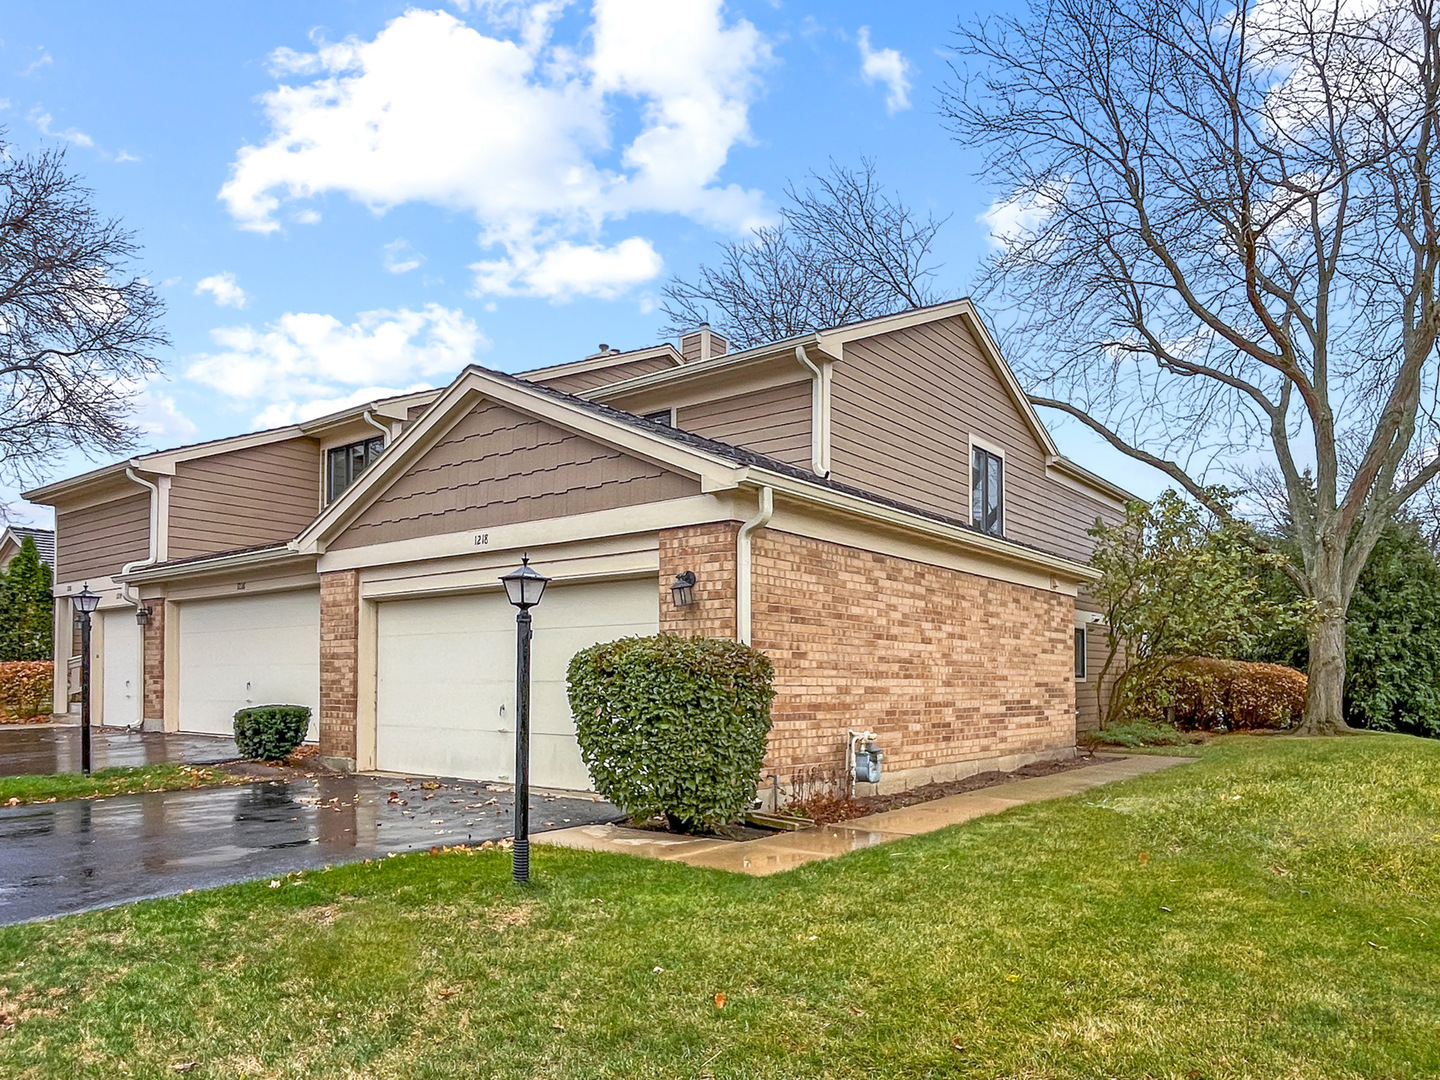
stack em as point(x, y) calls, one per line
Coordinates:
point(702, 344)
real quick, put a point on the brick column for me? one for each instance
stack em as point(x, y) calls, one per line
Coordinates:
point(339, 653)
point(153, 679)
point(708, 550)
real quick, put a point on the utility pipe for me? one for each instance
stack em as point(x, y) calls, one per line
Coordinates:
point(819, 413)
point(743, 563)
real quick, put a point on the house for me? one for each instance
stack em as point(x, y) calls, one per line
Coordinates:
point(876, 506)
point(14, 536)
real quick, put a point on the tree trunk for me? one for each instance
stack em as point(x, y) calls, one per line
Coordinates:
point(1325, 698)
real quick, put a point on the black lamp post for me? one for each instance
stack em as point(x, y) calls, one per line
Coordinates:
point(524, 588)
point(85, 603)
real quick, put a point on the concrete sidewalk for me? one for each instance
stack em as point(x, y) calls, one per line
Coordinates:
point(785, 851)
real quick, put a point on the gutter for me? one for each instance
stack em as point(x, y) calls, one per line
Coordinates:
point(819, 412)
point(211, 564)
point(743, 563)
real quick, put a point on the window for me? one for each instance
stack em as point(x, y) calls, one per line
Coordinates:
point(664, 416)
point(1080, 653)
point(987, 491)
point(344, 464)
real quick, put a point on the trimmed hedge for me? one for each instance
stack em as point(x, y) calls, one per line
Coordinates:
point(1207, 694)
point(271, 732)
point(674, 726)
point(27, 688)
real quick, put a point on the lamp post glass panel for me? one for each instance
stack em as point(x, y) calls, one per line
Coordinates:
point(523, 587)
point(85, 604)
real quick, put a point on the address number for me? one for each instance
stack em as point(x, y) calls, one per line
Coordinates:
point(481, 539)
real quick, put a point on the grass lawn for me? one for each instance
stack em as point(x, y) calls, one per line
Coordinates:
point(18, 790)
point(1271, 912)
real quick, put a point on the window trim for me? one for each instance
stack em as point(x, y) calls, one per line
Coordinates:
point(977, 442)
point(325, 457)
point(1082, 653)
point(653, 416)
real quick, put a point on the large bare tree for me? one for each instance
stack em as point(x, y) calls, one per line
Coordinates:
point(1223, 250)
point(79, 326)
point(844, 250)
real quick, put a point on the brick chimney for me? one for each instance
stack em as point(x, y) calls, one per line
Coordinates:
point(702, 344)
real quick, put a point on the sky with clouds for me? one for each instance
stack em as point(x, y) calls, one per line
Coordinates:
point(340, 199)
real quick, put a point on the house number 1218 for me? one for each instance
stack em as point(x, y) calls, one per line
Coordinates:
point(481, 539)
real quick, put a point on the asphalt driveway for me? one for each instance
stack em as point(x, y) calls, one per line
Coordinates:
point(53, 748)
point(63, 857)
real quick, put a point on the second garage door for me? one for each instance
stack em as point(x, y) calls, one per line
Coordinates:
point(248, 650)
point(445, 694)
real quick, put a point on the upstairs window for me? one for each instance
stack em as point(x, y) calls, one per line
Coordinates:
point(344, 464)
point(987, 488)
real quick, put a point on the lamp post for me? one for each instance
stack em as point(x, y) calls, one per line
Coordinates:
point(523, 587)
point(85, 603)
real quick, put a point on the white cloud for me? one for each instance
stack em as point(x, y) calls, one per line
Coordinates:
point(401, 258)
point(1018, 218)
point(516, 128)
point(43, 60)
point(223, 288)
point(280, 413)
point(160, 419)
point(565, 270)
point(42, 121)
point(889, 67)
point(304, 361)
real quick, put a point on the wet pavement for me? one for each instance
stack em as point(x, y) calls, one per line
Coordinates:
point(52, 748)
point(62, 857)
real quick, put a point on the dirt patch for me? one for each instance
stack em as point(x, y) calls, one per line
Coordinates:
point(295, 767)
point(506, 917)
point(827, 809)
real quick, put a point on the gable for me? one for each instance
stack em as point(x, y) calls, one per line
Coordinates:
point(496, 466)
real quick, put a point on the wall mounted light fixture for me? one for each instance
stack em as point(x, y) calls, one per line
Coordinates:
point(682, 589)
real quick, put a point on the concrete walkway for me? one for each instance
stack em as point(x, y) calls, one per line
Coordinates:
point(785, 851)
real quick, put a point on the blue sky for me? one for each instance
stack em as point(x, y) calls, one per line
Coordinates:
point(338, 199)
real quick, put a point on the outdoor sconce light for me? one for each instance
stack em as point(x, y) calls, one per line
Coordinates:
point(524, 588)
point(683, 588)
point(142, 615)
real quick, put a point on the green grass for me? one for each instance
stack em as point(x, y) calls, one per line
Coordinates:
point(1134, 734)
point(18, 790)
point(1270, 912)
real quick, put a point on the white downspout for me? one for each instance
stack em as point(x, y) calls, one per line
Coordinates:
point(386, 428)
point(742, 563)
point(153, 555)
point(819, 412)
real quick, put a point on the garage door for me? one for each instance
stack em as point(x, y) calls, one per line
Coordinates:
point(248, 650)
point(445, 697)
point(120, 640)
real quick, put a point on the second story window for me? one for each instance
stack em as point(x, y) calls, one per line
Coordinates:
point(344, 464)
point(987, 491)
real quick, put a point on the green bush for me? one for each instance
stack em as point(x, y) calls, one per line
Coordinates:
point(271, 732)
point(674, 726)
point(1136, 733)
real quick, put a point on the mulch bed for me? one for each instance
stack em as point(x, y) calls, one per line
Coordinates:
point(827, 809)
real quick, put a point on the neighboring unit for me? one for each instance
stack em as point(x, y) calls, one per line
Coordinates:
point(877, 507)
point(14, 536)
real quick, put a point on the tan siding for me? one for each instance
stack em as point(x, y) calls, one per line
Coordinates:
point(1092, 696)
point(580, 381)
point(99, 540)
point(775, 421)
point(903, 407)
point(261, 495)
point(498, 466)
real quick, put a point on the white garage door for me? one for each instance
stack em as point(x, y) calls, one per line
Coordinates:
point(248, 650)
point(445, 703)
point(120, 640)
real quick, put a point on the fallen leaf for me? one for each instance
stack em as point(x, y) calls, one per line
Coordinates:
point(185, 1066)
point(1144, 858)
point(275, 884)
point(1164, 908)
point(657, 970)
point(719, 1001)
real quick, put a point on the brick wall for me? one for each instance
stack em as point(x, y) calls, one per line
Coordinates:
point(153, 680)
point(708, 550)
point(955, 672)
point(339, 651)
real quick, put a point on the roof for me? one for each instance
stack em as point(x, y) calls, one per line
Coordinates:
point(44, 541)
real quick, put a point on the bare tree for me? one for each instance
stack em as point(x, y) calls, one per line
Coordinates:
point(1226, 250)
point(79, 328)
point(844, 250)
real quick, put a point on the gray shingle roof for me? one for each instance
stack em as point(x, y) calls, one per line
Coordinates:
point(44, 541)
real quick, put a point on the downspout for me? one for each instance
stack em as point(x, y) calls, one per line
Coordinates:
point(153, 555)
point(819, 412)
point(743, 563)
point(389, 432)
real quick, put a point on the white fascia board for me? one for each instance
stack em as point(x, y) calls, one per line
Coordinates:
point(599, 363)
point(242, 560)
point(779, 350)
point(828, 340)
point(991, 546)
point(714, 473)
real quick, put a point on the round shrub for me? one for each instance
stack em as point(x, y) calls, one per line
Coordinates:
point(26, 688)
point(271, 732)
point(674, 726)
point(1205, 694)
